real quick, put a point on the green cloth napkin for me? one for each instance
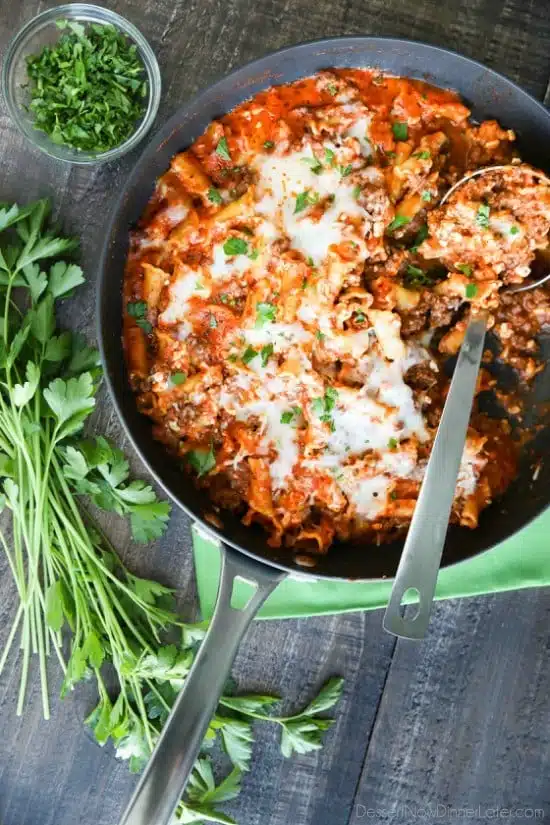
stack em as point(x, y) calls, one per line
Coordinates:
point(521, 561)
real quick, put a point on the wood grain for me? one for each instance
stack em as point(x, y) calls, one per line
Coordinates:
point(461, 718)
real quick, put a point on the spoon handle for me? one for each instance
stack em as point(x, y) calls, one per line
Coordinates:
point(421, 556)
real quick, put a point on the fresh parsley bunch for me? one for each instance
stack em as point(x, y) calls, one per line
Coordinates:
point(66, 572)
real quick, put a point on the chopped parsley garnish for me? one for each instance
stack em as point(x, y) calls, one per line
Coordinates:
point(235, 246)
point(359, 317)
point(290, 416)
point(268, 144)
point(398, 222)
point(310, 261)
point(423, 155)
point(320, 335)
point(393, 495)
point(202, 460)
point(304, 283)
point(248, 355)
point(471, 290)
point(392, 443)
point(324, 406)
point(222, 149)
point(391, 155)
point(466, 269)
point(178, 378)
point(304, 200)
point(233, 357)
point(88, 90)
point(514, 230)
point(421, 236)
point(482, 216)
point(332, 89)
point(212, 322)
point(137, 310)
point(266, 353)
point(214, 196)
point(345, 170)
point(357, 191)
point(265, 314)
point(416, 277)
point(315, 165)
point(400, 131)
point(329, 156)
point(426, 196)
point(253, 254)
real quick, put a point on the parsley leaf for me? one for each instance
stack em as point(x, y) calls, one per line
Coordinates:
point(357, 191)
point(398, 222)
point(266, 353)
point(136, 309)
point(426, 196)
point(178, 378)
point(290, 416)
point(345, 170)
point(423, 155)
point(466, 269)
point(248, 355)
point(514, 230)
point(222, 149)
point(392, 443)
point(482, 216)
point(268, 144)
point(214, 196)
point(265, 314)
point(471, 290)
point(400, 131)
point(315, 165)
point(416, 277)
point(235, 246)
point(329, 157)
point(253, 254)
point(421, 236)
point(324, 406)
point(202, 461)
point(305, 199)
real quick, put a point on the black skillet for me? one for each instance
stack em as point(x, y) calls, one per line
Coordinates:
point(245, 550)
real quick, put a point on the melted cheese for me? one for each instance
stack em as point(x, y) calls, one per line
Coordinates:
point(283, 179)
point(224, 266)
point(187, 284)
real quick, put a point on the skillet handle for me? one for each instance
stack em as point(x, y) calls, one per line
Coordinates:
point(160, 787)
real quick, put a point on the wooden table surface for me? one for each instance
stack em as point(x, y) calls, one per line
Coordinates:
point(461, 720)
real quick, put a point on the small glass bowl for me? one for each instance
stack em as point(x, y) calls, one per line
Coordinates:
point(42, 31)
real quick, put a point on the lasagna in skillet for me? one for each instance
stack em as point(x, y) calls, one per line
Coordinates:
point(293, 290)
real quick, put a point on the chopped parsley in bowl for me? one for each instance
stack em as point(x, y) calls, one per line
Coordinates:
point(81, 83)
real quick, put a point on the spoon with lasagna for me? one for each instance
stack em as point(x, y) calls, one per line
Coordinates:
point(486, 231)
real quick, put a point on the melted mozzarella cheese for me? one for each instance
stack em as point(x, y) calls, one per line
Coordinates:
point(360, 131)
point(187, 284)
point(368, 495)
point(224, 266)
point(471, 465)
point(283, 178)
point(282, 336)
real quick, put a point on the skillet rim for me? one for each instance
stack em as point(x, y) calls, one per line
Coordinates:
point(155, 143)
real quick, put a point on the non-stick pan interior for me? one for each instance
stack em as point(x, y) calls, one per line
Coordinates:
point(490, 96)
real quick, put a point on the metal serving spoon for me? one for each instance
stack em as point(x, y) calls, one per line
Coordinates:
point(421, 556)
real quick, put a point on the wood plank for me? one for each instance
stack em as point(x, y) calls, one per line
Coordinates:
point(465, 714)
